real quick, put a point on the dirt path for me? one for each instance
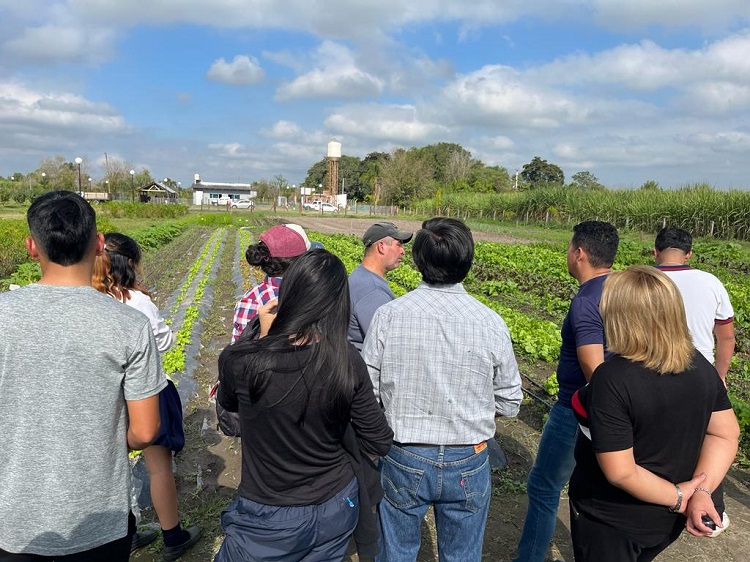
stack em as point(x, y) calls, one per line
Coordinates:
point(208, 471)
point(356, 226)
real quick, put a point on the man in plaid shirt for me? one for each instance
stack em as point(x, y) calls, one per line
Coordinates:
point(442, 364)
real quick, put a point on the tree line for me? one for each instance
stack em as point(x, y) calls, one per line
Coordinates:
point(400, 177)
point(403, 176)
point(58, 173)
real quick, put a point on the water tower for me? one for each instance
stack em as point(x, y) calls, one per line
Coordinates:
point(332, 161)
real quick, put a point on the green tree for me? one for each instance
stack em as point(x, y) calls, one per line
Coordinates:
point(489, 179)
point(350, 177)
point(350, 181)
point(586, 180)
point(263, 189)
point(540, 173)
point(371, 171)
point(650, 185)
point(316, 175)
point(439, 156)
point(406, 176)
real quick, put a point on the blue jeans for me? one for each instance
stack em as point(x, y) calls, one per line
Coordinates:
point(309, 533)
point(454, 480)
point(551, 471)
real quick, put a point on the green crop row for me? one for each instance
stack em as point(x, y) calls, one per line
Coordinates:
point(193, 271)
point(173, 360)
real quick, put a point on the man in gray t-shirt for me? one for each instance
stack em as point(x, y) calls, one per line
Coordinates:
point(368, 289)
point(79, 382)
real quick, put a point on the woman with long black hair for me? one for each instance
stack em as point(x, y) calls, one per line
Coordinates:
point(297, 389)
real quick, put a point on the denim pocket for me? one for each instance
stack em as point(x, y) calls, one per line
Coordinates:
point(400, 483)
point(476, 485)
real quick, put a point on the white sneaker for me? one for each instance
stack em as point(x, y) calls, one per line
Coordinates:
point(724, 525)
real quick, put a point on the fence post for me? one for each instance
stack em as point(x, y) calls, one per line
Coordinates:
point(712, 229)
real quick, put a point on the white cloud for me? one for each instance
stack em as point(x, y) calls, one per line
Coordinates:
point(243, 70)
point(392, 123)
point(337, 75)
point(646, 66)
point(498, 95)
point(284, 130)
point(58, 43)
point(365, 17)
point(22, 107)
point(37, 125)
point(500, 142)
point(694, 13)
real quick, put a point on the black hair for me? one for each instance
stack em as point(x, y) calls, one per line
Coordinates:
point(673, 237)
point(259, 255)
point(443, 251)
point(600, 241)
point(63, 225)
point(124, 261)
point(313, 309)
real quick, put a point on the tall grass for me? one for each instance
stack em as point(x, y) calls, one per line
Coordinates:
point(697, 208)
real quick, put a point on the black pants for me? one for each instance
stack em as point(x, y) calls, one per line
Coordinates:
point(718, 498)
point(115, 551)
point(594, 541)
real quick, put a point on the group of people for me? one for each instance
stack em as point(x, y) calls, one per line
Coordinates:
point(642, 429)
point(636, 361)
point(358, 410)
point(330, 374)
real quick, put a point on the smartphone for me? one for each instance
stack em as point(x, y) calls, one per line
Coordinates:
point(708, 522)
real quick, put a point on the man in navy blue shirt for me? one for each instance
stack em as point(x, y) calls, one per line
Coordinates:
point(591, 253)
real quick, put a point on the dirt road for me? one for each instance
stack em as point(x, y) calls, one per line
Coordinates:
point(357, 226)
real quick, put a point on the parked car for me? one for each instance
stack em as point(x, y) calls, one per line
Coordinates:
point(320, 205)
point(243, 204)
point(223, 200)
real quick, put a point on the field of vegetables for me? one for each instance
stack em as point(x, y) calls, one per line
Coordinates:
point(196, 268)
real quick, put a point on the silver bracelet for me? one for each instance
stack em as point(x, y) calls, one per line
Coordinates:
point(703, 490)
point(678, 504)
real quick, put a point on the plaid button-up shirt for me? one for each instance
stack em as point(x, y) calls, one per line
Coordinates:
point(247, 308)
point(442, 364)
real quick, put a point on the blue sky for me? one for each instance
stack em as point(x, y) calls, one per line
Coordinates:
point(241, 91)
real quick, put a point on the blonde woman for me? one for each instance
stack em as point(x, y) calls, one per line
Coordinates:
point(658, 431)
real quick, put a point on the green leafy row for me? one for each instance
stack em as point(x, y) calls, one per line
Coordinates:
point(173, 360)
point(192, 272)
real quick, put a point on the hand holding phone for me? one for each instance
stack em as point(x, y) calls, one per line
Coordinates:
point(708, 522)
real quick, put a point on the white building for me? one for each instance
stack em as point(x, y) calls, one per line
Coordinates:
point(209, 193)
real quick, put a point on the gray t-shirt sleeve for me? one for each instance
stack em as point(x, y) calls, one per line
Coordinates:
point(365, 308)
point(144, 375)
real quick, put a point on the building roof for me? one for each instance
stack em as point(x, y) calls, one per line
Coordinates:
point(222, 187)
point(156, 187)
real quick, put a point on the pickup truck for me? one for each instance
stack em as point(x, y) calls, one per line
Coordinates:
point(320, 205)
